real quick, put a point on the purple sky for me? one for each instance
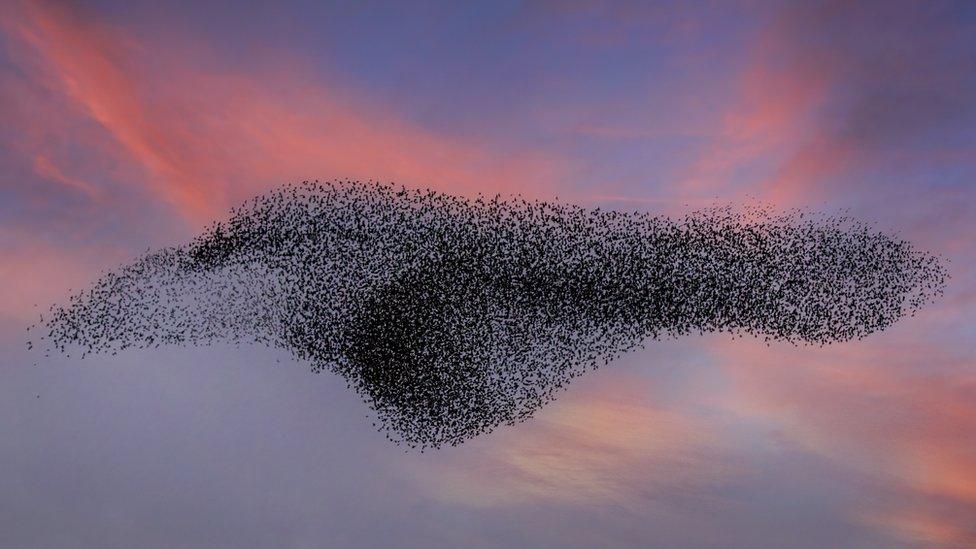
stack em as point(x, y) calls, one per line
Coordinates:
point(129, 125)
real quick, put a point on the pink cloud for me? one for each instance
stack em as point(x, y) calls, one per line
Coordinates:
point(208, 138)
point(609, 444)
point(814, 111)
point(45, 167)
point(35, 272)
point(899, 413)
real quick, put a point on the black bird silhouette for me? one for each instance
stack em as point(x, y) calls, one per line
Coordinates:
point(453, 316)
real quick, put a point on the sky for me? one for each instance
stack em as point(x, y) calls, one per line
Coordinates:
point(130, 125)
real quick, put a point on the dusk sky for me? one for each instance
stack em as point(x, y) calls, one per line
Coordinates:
point(129, 125)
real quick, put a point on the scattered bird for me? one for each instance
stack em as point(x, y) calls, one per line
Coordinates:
point(451, 316)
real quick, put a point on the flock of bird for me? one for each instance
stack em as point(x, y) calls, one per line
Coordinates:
point(452, 316)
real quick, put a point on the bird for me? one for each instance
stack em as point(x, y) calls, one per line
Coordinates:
point(453, 316)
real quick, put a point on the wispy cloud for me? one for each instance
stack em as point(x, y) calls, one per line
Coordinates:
point(609, 446)
point(208, 137)
point(898, 412)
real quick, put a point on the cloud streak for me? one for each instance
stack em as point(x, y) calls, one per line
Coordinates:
point(205, 138)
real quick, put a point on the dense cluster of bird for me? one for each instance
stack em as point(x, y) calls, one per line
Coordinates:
point(452, 316)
